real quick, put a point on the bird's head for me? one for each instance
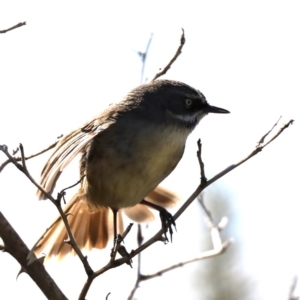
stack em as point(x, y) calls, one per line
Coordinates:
point(174, 102)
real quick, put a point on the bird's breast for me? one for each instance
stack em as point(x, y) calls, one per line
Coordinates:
point(125, 163)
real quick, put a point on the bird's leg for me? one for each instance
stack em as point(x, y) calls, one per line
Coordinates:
point(166, 218)
point(116, 244)
point(117, 247)
point(115, 217)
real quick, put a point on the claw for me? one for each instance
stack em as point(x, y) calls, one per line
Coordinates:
point(167, 221)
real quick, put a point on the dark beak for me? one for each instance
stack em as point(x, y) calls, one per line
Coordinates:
point(216, 110)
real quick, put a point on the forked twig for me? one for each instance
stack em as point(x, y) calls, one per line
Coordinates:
point(3, 165)
point(261, 141)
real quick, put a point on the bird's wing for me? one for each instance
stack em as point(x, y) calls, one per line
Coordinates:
point(66, 150)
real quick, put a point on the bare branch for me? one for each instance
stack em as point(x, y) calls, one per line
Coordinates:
point(201, 163)
point(3, 165)
point(14, 245)
point(56, 202)
point(201, 256)
point(178, 52)
point(158, 236)
point(139, 263)
point(14, 27)
point(199, 189)
point(261, 141)
point(143, 56)
point(202, 186)
point(219, 248)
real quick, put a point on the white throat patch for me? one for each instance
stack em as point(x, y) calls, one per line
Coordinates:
point(188, 119)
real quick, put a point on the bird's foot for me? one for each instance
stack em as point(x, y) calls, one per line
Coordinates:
point(118, 248)
point(167, 221)
point(123, 252)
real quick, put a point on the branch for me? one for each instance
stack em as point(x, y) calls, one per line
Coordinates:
point(143, 56)
point(14, 27)
point(3, 165)
point(158, 236)
point(201, 163)
point(56, 202)
point(201, 256)
point(202, 186)
point(219, 247)
point(178, 52)
point(205, 184)
point(261, 141)
point(139, 276)
point(14, 245)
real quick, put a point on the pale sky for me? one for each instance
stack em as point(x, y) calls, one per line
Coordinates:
point(73, 58)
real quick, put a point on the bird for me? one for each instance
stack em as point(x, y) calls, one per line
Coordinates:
point(126, 151)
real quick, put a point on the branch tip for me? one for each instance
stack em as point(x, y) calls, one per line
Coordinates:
point(178, 52)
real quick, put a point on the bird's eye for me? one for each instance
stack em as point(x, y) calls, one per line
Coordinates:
point(188, 102)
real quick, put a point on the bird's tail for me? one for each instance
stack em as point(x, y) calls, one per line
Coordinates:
point(90, 229)
point(93, 229)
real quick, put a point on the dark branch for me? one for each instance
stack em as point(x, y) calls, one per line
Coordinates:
point(201, 163)
point(178, 52)
point(14, 27)
point(262, 140)
point(57, 203)
point(202, 186)
point(14, 245)
point(3, 165)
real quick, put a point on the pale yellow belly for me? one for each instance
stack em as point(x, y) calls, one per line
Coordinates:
point(122, 172)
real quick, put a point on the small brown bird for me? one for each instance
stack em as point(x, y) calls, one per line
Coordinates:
point(126, 151)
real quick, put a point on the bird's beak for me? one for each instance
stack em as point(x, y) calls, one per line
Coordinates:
point(216, 110)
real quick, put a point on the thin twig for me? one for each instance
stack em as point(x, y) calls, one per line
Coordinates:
point(261, 141)
point(206, 211)
point(178, 52)
point(14, 27)
point(201, 256)
point(143, 56)
point(62, 193)
point(139, 275)
point(201, 163)
point(3, 165)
